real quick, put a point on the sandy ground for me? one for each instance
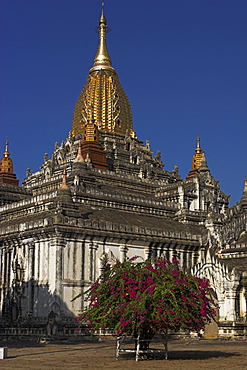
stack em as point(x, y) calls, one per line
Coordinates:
point(94, 354)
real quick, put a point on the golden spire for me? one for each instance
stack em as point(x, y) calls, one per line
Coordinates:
point(6, 163)
point(102, 58)
point(198, 161)
point(103, 97)
point(197, 157)
point(6, 153)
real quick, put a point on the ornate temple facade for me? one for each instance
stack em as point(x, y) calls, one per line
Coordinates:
point(102, 197)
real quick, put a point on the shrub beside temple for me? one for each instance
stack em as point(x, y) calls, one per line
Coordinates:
point(148, 298)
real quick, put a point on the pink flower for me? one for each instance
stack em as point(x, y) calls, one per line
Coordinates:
point(132, 294)
point(183, 297)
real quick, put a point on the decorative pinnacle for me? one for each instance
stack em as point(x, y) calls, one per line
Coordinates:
point(64, 182)
point(102, 58)
point(244, 195)
point(204, 166)
point(6, 153)
point(245, 186)
point(197, 157)
point(79, 158)
point(198, 147)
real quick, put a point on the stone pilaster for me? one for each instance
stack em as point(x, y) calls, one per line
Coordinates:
point(123, 252)
point(30, 276)
point(195, 258)
point(56, 265)
point(92, 255)
point(147, 252)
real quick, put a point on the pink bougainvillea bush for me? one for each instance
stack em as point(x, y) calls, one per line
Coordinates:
point(147, 298)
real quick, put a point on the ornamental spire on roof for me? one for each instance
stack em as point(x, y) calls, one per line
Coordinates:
point(244, 196)
point(6, 164)
point(6, 153)
point(197, 159)
point(64, 185)
point(102, 58)
point(6, 168)
point(245, 186)
point(79, 158)
point(204, 166)
point(103, 99)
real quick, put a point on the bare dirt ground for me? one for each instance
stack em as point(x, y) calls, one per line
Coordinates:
point(184, 354)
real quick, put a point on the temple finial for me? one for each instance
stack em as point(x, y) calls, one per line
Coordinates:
point(198, 147)
point(102, 58)
point(197, 160)
point(197, 157)
point(7, 175)
point(6, 153)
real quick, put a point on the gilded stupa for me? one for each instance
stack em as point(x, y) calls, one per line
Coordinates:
point(6, 168)
point(103, 98)
point(197, 159)
point(6, 163)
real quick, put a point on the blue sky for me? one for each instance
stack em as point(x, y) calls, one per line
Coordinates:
point(183, 65)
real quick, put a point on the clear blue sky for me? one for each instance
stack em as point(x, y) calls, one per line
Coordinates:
point(183, 65)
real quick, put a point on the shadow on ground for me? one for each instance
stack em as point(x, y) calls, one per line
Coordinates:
point(199, 355)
